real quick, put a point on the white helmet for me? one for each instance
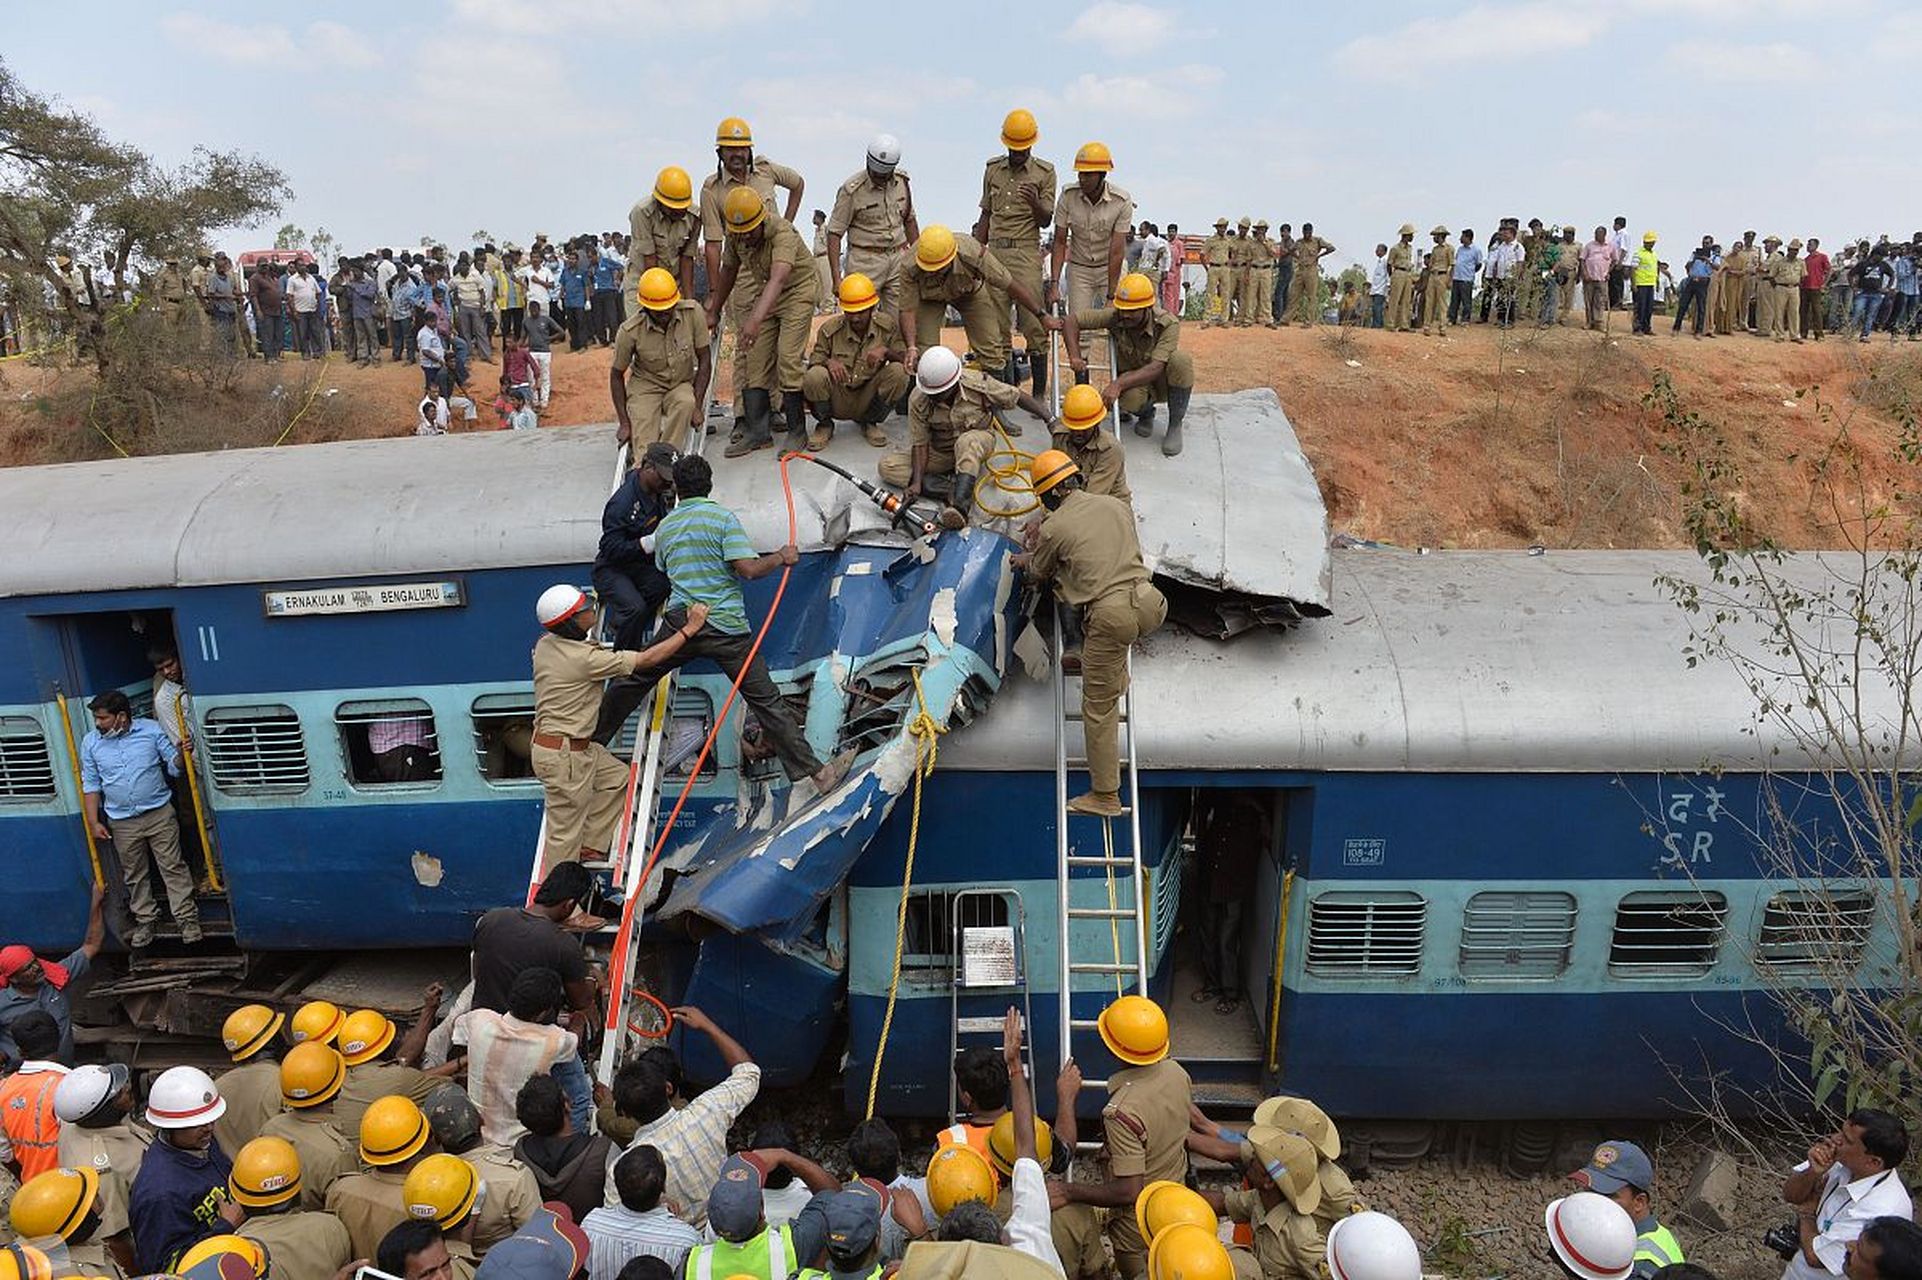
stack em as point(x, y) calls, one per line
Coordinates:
point(1592, 1235)
point(559, 603)
point(1372, 1246)
point(84, 1090)
point(939, 369)
point(884, 153)
point(184, 1098)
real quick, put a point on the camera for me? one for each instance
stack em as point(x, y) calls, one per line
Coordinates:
point(1784, 1241)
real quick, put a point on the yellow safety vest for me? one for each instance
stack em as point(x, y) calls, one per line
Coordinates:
point(1648, 266)
point(769, 1254)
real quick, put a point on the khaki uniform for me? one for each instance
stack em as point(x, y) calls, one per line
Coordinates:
point(372, 1081)
point(170, 291)
point(114, 1153)
point(1785, 304)
point(583, 783)
point(1219, 254)
point(1738, 264)
point(252, 1094)
point(369, 1205)
point(1261, 279)
point(1401, 286)
point(775, 361)
point(1014, 233)
point(1088, 546)
point(326, 1153)
point(1287, 1245)
point(972, 1260)
point(1304, 288)
point(302, 1246)
point(959, 436)
point(967, 284)
point(1241, 262)
point(1091, 227)
point(654, 233)
point(660, 364)
point(873, 224)
point(1145, 1123)
point(1434, 303)
point(1102, 461)
point(512, 1197)
point(92, 1259)
point(1159, 339)
point(765, 176)
point(870, 390)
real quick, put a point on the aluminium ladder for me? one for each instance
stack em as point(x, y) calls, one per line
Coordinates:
point(968, 910)
point(1103, 361)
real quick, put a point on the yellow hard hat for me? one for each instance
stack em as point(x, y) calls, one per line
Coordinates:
point(311, 1074)
point(1133, 292)
point(857, 292)
point(316, 1020)
point(1049, 468)
point(1187, 1252)
point(1018, 130)
point(1133, 1027)
point(673, 188)
point(1298, 1115)
point(956, 1175)
point(54, 1203)
point(266, 1173)
point(935, 249)
point(24, 1262)
point(733, 132)
point(1648, 237)
point(1164, 1204)
point(658, 290)
point(364, 1036)
point(249, 1029)
point(743, 210)
point(441, 1189)
point(1082, 407)
point(214, 1246)
point(392, 1131)
point(1001, 1143)
point(1093, 157)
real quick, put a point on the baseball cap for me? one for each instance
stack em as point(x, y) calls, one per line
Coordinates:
point(734, 1205)
point(853, 1220)
point(549, 1247)
point(662, 455)
point(1615, 1165)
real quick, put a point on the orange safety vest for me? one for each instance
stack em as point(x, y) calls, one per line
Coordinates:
point(26, 1113)
point(966, 1135)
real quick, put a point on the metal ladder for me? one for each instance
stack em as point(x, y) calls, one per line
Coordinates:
point(970, 909)
point(1075, 957)
point(1103, 360)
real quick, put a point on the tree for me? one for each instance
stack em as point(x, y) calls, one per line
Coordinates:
point(482, 237)
point(326, 248)
point(290, 237)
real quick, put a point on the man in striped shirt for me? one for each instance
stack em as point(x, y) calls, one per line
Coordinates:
point(639, 1226)
point(706, 555)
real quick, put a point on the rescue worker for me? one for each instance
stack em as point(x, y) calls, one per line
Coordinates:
point(1646, 272)
point(630, 585)
point(1623, 1172)
point(446, 1191)
point(1279, 1204)
point(179, 1197)
point(770, 265)
point(252, 1088)
point(981, 1083)
point(512, 1192)
point(744, 1244)
point(381, 1063)
point(662, 364)
point(268, 1183)
point(1145, 1123)
point(97, 1131)
point(857, 365)
point(1086, 544)
point(65, 1203)
point(1371, 1246)
point(29, 1126)
point(1017, 203)
point(1299, 1115)
point(311, 1077)
point(1591, 1237)
point(1150, 366)
point(950, 270)
point(958, 1173)
point(737, 166)
point(1310, 249)
point(125, 762)
point(29, 981)
point(1218, 254)
point(1401, 279)
point(317, 1020)
point(169, 289)
point(874, 215)
point(1440, 268)
point(1091, 221)
point(1241, 265)
point(1261, 274)
point(662, 231)
point(393, 1139)
point(952, 414)
point(1785, 306)
point(1099, 457)
point(581, 780)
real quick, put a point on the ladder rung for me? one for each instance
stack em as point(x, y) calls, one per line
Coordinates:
point(1091, 1084)
point(1101, 913)
point(1100, 966)
point(1077, 716)
point(1085, 1024)
point(1097, 860)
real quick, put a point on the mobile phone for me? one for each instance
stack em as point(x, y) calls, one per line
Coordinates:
point(375, 1273)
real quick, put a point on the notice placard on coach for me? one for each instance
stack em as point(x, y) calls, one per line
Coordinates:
point(380, 598)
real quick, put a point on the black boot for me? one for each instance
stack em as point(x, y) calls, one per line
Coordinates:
point(955, 514)
point(1145, 420)
point(759, 434)
point(794, 409)
point(1177, 410)
point(1040, 368)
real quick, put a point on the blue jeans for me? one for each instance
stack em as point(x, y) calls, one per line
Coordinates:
point(1867, 307)
point(267, 333)
point(1694, 294)
point(1284, 276)
point(1644, 295)
point(1551, 299)
point(403, 330)
point(571, 1075)
point(1377, 309)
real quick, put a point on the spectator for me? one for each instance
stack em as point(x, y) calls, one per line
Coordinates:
point(1598, 279)
point(1378, 278)
point(29, 984)
point(1889, 1248)
point(506, 1050)
point(1815, 279)
point(417, 1250)
point(569, 1163)
point(782, 1195)
point(305, 299)
point(470, 308)
point(576, 284)
point(362, 295)
point(435, 375)
point(1618, 275)
point(1908, 285)
point(400, 317)
point(539, 330)
point(607, 317)
point(1871, 279)
point(1849, 1180)
point(636, 1225)
point(508, 940)
point(1695, 291)
point(268, 301)
point(1503, 277)
point(517, 371)
point(1461, 282)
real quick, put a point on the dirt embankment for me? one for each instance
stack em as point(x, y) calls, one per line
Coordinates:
point(1478, 439)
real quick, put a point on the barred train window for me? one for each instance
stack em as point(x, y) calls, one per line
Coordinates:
point(503, 736)
point(1517, 935)
point(255, 750)
point(388, 742)
point(1815, 931)
point(1366, 934)
point(1667, 934)
point(26, 770)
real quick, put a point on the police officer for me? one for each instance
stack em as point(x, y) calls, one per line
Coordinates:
point(94, 1105)
point(952, 414)
point(1279, 1205)
point(310, 1080)
point(170, 288)
point(950, 270)
point(1017, 202)
point(1261, 275)
point(662, 363)
point(856, 367)
point(662, 231)
point(1091, 221)
point(1623, 1172)
point(64, 1204)
point(1440, 267)
point(874, 213)
point(1785, 306)
point(768, 266)
point(1241, 266)
point(1150, 367)
point(1099, 456)
point(267, 1182)
point(1310, 249)
point(1401, 279)
point(1218, 252)
point(631, 586)
point(512, 1192)
point(1738, 264)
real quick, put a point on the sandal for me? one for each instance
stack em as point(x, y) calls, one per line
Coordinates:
point(1202, 995)
point(1229, 1003)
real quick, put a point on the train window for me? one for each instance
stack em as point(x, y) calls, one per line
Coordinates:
point(693, 716)
point(255, 750)
point(503, 736)
point(388, 742)
point(26, 770)
point(1517, 935)
point(1366, 934)
point(927, 949)
point(1667, 934)
point(1815, 931)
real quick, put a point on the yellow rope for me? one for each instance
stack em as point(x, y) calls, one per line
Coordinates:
point(926, 735)
point(320, 375)
point(1010, 478)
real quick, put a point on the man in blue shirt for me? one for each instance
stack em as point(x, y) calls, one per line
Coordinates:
point(1461, 284)
point(631, 586)
point(706, 556)
point(124, 767)
point(607, 295)
point(575, 284)
point(28, 983)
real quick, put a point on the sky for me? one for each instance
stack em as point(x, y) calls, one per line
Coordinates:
point(445, 117)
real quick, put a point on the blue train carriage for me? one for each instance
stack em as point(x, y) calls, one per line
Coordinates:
point(1514, 869)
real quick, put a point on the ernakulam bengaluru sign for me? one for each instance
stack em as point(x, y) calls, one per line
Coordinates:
point(379, 598)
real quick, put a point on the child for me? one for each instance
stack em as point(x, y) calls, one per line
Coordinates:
point(433, 416)
point(521, 418)
point(516, 369)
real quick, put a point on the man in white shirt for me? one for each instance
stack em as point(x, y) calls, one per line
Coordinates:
point(1030, 1228)
point(1501, 274)
point(1378, 281)
point(638, 1225)
point(303, 303)
point(169, 694)
point(1849, 1180)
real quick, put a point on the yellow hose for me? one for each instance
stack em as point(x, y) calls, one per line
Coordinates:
point(1010, 478)
point(191, 767)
